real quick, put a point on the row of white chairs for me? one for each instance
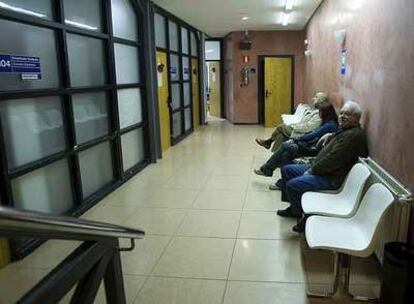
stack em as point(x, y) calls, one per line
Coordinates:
point(344, 223)
point(290, 119)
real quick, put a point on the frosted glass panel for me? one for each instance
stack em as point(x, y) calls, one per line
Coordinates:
point(160, 35)
point(126, 64)
point(46, 190)
point(187, 94)
point(186, 68)
point(133, 150)
point(187, 119)
point(96, 168)
point(124, 20)
point(26, 40)
point(173, 30)
point(32, 128)
point(194, 46)
point(35, 8)
point(184, 40)
point(86, 61)
point(84, 14)
point(175, 96)
point(174, 68)
point(91, 116)
point(212, 50)
point(177, 130)
point(130, 107)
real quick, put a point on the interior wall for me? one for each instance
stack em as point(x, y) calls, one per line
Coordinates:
point(380, 74)
point(244, 100)
point(228, 96)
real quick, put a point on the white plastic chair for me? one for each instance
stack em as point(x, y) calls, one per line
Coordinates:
point(343, 203)
point(346, 237)
point(290, 119)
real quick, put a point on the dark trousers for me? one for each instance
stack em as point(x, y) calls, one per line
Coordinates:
point(295, 183)
point(285, 155)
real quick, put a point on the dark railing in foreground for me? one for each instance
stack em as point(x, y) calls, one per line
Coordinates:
point(96, 259)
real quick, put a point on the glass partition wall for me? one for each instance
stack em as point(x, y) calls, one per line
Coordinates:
point(73, 114)
point(180, 42)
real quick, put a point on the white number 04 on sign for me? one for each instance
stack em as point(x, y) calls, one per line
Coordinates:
point(5, 63)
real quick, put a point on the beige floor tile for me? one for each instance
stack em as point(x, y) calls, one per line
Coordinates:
point(264, 293)
point(260, 183)
point(219, 200)
point(158, 290)
point(186, 182)
point(173, 198)
point(265, 260)
point(47, 256)
point(133, 195)
point(14, 283)
point(111, 214)
point(210, 223)
point(227, 182)
point(156, 220)
point(132, 285)
point(142, 259)
point(264, 201)
point(266, 225)
point(196, 258)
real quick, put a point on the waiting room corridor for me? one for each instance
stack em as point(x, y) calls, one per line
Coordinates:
point(212, 234)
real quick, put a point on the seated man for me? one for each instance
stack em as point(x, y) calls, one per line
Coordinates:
point(309, 122)
point(303, 145)
point(330, 167)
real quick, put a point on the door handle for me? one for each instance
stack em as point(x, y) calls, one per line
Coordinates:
point(268, 93)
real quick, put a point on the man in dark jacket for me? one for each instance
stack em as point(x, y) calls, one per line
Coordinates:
point(331, 165)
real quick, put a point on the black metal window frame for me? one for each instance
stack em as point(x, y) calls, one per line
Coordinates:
point(64, 92)
point(168, 17)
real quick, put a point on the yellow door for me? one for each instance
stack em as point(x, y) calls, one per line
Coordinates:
point(195, 88)
point(214, 88)
point(163, 93)
point(278, 89)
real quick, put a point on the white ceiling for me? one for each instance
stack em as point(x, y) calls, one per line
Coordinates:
point(219, 17)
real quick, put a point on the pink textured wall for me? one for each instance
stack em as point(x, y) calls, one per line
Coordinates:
point(380, 76)
point(244, 103)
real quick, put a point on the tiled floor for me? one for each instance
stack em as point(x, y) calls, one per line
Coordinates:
point(212, 232)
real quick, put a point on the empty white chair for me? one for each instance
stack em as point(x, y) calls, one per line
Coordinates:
point(355, 236)
point(341, 204)
point(290, 119)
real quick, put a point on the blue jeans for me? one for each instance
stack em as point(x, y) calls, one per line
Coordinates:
point(295, 183)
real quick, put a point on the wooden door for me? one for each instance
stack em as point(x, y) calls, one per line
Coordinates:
point(163, 94)
point(196, 97)
point(278, 89)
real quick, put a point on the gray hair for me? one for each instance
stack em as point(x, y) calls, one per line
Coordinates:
point(355, 108)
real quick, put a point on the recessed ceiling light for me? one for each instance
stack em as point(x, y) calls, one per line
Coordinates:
point(285, 19)
point(244, 18)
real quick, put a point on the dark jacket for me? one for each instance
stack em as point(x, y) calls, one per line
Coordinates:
point(336, 159)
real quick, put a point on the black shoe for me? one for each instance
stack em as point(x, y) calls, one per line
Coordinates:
point(288, 213)
point(264, 143)
point(260, 172)
point(300, 226)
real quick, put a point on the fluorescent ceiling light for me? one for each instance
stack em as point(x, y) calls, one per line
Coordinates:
point(285, 19)
point(289, 4)
point(81, 25)
point(209, 51)
point(21, 10)
point(244, 18)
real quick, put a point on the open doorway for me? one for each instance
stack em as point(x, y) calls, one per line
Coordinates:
point(214, 72)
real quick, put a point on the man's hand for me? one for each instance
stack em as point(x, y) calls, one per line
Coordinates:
point(290, 141)
point(324, 140)
point(308, 172)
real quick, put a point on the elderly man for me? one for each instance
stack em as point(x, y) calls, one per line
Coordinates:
point(309, 122)
point(330, 167)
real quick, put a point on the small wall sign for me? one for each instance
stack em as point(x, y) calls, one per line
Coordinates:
point(343, 62)
point(27, 66)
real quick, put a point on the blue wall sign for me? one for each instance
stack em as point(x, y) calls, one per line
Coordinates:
point(173, 71)
point(343, 62)
point(186, 71)
point(27, 66)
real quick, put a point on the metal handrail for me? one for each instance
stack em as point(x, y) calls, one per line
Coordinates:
point(48, 226)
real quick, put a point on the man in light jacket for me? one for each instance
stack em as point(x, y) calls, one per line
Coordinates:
point(309, 122)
